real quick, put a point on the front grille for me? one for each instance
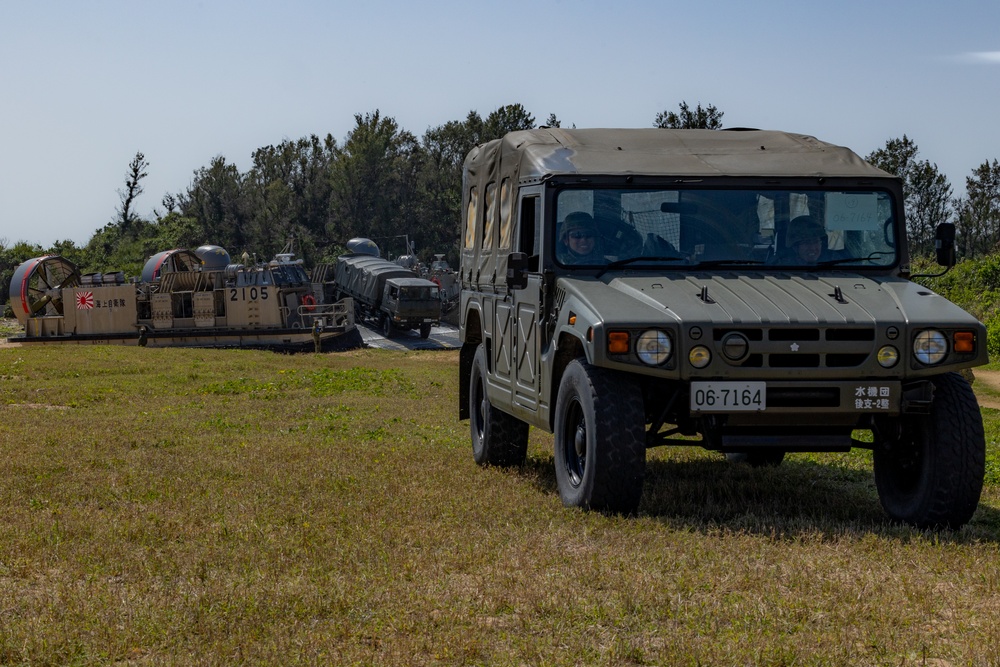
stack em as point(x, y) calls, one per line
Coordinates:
point(751, 334)
point(845, 360)
point(801, 347)
point(793, 334)
point(793, 360)
point(850, 334)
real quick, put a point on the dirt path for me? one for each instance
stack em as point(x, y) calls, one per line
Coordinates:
point(992, 380)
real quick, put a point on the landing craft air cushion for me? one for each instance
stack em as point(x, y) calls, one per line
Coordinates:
point(183, 298)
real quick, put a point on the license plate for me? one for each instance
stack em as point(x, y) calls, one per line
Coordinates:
point(728, 396)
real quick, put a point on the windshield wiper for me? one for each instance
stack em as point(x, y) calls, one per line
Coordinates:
point(725, 262)
point(844, 260)
point(631, 260)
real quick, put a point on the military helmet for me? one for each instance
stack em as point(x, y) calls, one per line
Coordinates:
point(577, 220)
point(803, 228)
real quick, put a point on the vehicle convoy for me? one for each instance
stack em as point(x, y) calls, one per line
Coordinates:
point(389, 295)
point(622, 287)
point(194, 298)
point(441, 274)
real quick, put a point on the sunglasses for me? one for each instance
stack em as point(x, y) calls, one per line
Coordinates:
point(576, 236)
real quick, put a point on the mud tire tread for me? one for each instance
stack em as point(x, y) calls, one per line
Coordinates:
point(952, 446)
point(498, 439)
point(616, 448)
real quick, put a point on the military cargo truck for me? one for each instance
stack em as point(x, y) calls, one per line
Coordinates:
point(387, 294)
point(623, 288)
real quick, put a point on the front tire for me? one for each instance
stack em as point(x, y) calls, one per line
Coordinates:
point(930, 473)
point(600, 448)
point(498, 439)
point(386, 326)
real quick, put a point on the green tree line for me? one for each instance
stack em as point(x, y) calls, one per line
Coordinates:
point(383, 182)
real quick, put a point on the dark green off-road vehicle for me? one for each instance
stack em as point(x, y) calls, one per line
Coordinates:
point(620, 287)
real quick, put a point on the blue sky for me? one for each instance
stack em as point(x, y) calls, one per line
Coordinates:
point(84, 85)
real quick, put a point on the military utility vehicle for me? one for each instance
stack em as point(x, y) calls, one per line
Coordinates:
point(387, 294)
point(623, 287)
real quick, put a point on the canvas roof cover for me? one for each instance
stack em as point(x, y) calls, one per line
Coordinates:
point(411, 282)
point(656, 151)
point(364, 276)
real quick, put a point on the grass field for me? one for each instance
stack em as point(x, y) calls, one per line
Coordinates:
point(227, 507)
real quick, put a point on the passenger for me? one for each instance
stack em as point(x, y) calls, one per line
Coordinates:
point(806, 240)
point(579, 242)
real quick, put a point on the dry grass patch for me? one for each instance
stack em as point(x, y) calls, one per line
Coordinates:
point(221, 506)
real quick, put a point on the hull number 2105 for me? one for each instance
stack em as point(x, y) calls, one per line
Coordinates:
point(247, 293)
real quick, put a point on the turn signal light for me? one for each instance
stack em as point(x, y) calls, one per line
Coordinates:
point(618, 342)
point(964, 342)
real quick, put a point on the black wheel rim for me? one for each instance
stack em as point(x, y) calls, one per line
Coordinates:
point(908, 462)
point(481, 408)
point(575, 443)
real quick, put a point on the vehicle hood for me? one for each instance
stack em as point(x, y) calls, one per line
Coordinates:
point(768, 299)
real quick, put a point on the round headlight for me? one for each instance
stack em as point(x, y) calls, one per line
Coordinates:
point(888, 356)
point(699, 356)
point(653, 347)
point(930, 347)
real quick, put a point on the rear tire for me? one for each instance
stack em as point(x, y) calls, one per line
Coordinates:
point(425, 329)
point(498, 439)
point(930, 474)
point(600, 445)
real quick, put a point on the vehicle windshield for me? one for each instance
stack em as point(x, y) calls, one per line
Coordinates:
point(680, 228)
point(425, 293)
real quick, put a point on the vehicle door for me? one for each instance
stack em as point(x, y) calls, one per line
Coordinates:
point(524, 309)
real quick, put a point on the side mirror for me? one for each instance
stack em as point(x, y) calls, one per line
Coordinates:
point(944, 244)
point(517, 270)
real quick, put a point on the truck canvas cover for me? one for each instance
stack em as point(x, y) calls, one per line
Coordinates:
point(364, 276)
point(656, 151)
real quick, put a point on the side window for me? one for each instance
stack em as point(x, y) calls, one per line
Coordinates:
point(530, 241)
point(491, 212)
point(506, 213)
point(470, 219)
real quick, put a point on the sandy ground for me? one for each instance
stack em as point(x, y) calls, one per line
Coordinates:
point(8, 324)
point(992, 380)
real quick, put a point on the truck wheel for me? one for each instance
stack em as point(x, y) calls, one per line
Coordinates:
point(930, 475)
point(758, 458)
point(498, 439)
point(386, 326)
point(600, 445)
point(425, 329)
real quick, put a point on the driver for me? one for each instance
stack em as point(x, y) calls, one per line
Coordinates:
point(806, 240)
point(579, 242)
